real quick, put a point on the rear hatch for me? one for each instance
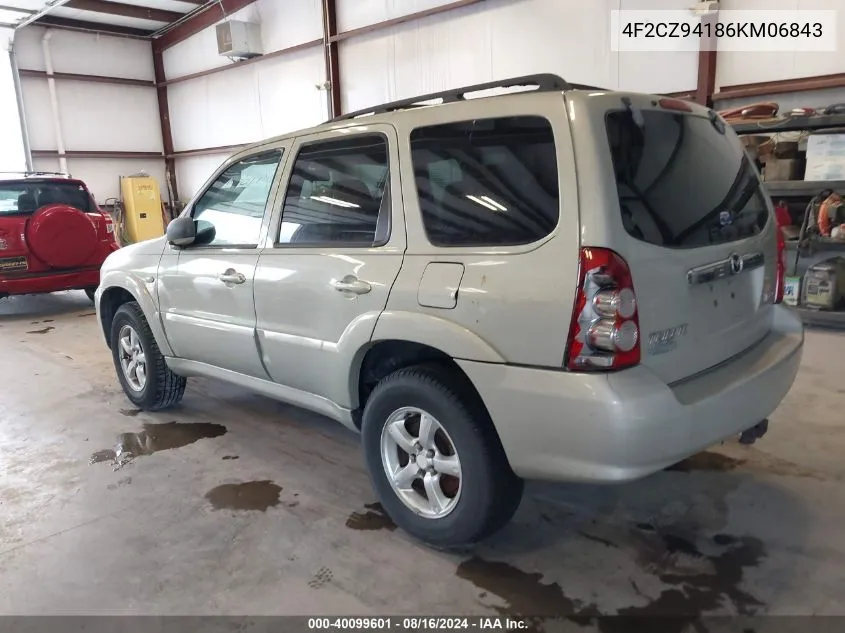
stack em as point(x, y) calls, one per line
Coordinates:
point(62, 245)
point(697, 232)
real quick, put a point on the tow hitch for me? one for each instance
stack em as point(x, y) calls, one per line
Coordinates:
point(749, 436)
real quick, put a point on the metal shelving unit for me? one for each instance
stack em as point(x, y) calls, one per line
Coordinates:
point(792, 124)
point(802, 190)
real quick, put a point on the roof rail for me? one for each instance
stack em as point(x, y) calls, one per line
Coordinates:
point(543, 82)
point(28, 174)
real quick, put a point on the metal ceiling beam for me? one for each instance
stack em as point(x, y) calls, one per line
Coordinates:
point(166, 130)
point(125, 10)
point(707, 56)
point(204, 17)
point(42, 13)
point(332, 57)
point(91, 27)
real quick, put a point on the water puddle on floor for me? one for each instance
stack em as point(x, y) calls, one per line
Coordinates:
point(252, 495)
point(697, 580)
point(374, 518)
point(154, 439)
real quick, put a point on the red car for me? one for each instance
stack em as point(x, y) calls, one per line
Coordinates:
point(53, 236)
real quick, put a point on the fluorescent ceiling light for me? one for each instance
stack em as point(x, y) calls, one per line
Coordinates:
point(485, 202)
point(336, 202)
point(498, 205)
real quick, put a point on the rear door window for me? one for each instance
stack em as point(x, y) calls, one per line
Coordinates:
point(487, 182)
point(338, 195)
point(682, 182)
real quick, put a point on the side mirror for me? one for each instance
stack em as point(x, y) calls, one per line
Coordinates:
point(185, 231)
point(182, 231)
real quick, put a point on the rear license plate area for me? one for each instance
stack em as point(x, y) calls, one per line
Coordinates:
point(13, 264)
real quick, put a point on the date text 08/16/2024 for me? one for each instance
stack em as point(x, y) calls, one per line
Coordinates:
point(416, 623)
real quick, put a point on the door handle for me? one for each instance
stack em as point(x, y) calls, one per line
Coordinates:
point(231, 276)
point(352, 284)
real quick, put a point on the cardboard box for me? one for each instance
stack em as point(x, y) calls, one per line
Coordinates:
point(825, 157)
point(783, 169)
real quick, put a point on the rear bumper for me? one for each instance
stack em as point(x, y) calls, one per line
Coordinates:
point(566, 426)
point(39, 283)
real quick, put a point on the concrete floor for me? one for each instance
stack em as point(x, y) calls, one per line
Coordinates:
point(262, 509)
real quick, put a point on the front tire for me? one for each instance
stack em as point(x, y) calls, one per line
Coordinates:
point(89, 292)
point(434, 459)
point(143, 373)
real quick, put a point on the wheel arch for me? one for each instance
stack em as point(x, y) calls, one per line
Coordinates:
point(115, 293)
point(383, 357)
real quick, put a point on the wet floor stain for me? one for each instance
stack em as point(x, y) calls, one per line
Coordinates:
point(374, 518)
point(230, 457)
point(527, 597)
point(155, 438)
point(694, 594)
point(252, 495)
point(700, 580)
point(757, 461)
point(119, 484)
point(598, 539)
point(44, 321)
point(87, 314)
point(130, 413)
point(42, 331)
point(707, 461)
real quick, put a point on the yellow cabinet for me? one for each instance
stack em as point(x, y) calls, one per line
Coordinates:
point(142, 211)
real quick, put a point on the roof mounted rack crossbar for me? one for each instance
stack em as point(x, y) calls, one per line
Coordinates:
point(37, 173)
point(543, 82)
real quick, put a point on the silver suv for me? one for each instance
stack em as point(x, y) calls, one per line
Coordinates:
point(563, 283)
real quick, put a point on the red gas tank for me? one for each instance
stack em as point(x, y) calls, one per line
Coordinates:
point(61, 236)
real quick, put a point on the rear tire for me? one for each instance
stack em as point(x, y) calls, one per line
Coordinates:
point(487, 493)
point(133, 345)
point(89, 292)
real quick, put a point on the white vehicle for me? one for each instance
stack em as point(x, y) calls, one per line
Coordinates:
point(567, 283)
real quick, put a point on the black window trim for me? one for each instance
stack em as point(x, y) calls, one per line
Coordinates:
point(486, 247)
point(386, 199)
point(265, 152)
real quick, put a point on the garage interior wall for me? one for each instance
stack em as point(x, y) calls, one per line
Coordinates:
point(12, 156)
point(482, 42)
point(736, 68)
point(102, 119)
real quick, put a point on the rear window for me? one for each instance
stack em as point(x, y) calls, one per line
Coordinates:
point(23, 198)
point(487, 182)
point(681, 182)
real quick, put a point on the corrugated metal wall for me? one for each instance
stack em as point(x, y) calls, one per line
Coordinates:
point(94, 116)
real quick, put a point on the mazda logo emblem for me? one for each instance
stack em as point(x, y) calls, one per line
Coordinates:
point(736, 264)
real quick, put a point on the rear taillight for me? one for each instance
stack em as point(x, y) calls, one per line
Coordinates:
point(605, 330)
point(780, 281)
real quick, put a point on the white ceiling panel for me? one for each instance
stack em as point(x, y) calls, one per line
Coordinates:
point(105, 18)
point(17, 11)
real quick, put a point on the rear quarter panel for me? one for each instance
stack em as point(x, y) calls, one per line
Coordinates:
point(514, 304)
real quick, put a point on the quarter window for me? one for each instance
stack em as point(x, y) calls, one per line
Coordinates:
point(338, 195)
point(487, 182)
point(235, 202)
